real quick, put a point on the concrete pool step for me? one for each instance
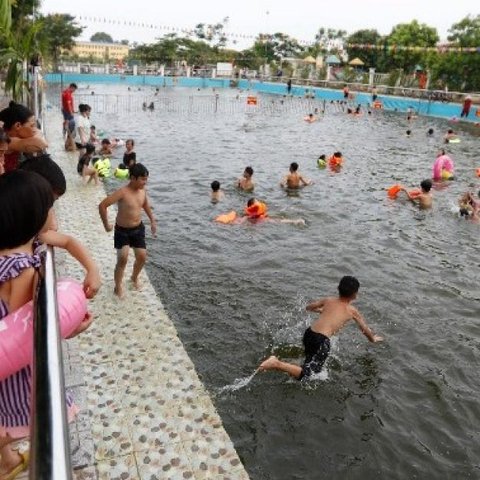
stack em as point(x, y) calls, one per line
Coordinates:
point(144, 413)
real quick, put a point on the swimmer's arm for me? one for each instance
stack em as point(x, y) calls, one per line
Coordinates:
point(148, 211)
point(357, 316)
point(305, 181)
point(92, 280)
point(105, 203)
point(412, 199)
point(316, 306)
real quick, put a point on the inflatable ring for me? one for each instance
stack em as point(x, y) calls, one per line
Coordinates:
point(16, 335)
point(321, 163)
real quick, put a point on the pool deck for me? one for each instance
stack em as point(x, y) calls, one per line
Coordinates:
point(145, 414)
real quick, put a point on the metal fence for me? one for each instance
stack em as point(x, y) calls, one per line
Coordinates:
point(49, 437)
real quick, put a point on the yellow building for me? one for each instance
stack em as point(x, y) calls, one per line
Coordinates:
point(102, 51)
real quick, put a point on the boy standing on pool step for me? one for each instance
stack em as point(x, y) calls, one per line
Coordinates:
point(334, 315)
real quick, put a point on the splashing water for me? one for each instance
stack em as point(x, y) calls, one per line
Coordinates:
point(238, 384)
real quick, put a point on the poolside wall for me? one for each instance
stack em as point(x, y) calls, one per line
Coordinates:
point(390, 103)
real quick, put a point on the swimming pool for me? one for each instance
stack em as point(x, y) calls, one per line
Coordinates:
point(407, 408)
point(389, 102)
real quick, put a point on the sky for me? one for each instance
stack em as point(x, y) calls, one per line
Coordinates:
point(300, 19)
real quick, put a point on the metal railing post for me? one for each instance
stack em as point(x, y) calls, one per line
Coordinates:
point(49, 435)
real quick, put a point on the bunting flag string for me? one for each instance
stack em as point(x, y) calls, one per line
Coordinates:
point(440, 48)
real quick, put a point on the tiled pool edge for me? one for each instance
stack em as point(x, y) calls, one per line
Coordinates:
point(144, 412)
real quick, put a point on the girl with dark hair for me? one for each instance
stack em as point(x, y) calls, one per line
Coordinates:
point(20, 125)
point(25, 218)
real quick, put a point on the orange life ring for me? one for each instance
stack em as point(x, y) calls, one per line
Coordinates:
point(251, 100)
point(377, 105)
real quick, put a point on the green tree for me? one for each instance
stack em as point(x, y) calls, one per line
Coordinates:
point(411, 34)
point(327, 39)
point(58, 31)
point(368, 38)
point(101, 37)
point(274, 47)
point(459, 70)
point(213, 34)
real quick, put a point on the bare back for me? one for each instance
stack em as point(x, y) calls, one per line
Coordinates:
point(293, 180)
point(130, 206)
point(335, 313)
point(425, 200)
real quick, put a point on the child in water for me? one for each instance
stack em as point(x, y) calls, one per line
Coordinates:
point(469, 207)
point(216, 194)
point(246, 183)
point(105, 148)
point(424, 198)
point(334, 312)
point(293, 179)
point(83, 167)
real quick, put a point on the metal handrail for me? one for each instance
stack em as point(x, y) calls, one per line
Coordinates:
point(49, 434)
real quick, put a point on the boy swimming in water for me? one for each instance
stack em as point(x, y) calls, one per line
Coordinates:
point(216, 194)
point(293, 179)
point(424, 199)
point(246, 183)
point(334, 312)
point(129, 228)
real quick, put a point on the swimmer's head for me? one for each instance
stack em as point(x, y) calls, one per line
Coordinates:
point(426, 185)
point(408, 133)
point(106, 141)
point(441, 152)
point(215, 186)
point(348, 287)
point(464, 212)
point(89, 148)
point(310, 115)
point(92, 128)
point(293, 166)
point(449, 131)
point(338, 154)
point(430, 131)
point(322, 157)
point(251, 201)
point(138, 170)
point(248, 172)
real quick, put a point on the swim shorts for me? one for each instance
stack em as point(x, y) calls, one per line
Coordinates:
point(67, 115)
point(317, 348)
point(133, 237)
